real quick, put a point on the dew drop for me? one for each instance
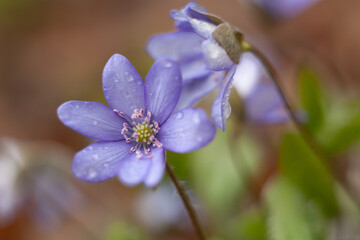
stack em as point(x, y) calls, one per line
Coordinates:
point(180, 115)
point(130, 78)
point(95, 156)
point(106, 165)
point(91, 173)
point(196, 119)
point(94, 122)
point(77, 106)
point(227, 111)
point(168, 64)
point(199, 138)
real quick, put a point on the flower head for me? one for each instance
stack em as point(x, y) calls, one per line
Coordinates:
point(210, 55)
point(138, 126)
point(283, 9)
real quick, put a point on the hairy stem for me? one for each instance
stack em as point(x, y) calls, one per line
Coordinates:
point(186, 200)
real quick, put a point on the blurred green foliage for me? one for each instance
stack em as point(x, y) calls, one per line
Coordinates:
point(250, 225)
point(290, 214)
point(333, 120)
point(215, 176)
point(301, 166)
point(123, 231)
point(311, 97)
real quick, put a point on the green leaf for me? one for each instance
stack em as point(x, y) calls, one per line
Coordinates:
point(290, 216)
point(301, 166)
point(215, 177)
point(311, 96)
point(342, 128)
point(122, 231)
point(251, 225)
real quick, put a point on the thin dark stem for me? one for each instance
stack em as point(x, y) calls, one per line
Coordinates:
point(186, 200)
point(302, 130)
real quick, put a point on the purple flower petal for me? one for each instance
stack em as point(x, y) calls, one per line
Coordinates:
point(193, 70)
point(100, 161)
point(123, 87)
point(179, 46)
point(215, 56)
point(133, 170)
point(157, 167)
point(221, 110)
point(191, 18)
point(249, 73)
point(91, 119)
point(162, 89)
point(192, 92)
point(264, 105)
point(181, 20)
point(285, 8)
point(186, 130)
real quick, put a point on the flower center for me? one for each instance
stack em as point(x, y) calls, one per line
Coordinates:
point(140, 130)
point(143, 132)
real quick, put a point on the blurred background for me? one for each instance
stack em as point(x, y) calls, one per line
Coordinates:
point(253, 182)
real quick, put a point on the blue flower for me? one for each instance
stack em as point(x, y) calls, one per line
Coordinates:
point(138, 126)
point(282, 9)
point(205, 65)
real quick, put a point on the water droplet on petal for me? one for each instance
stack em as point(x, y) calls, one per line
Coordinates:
point(95, 156)
point(106, 165)
point(227, 111)
point(130, 78)
point(199, 138)
point(179, 115)
point(94, 122)
point(77, 106)
point(196, 119)
point(168, 64)
point(91, 173)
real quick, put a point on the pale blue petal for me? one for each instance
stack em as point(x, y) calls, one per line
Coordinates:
point(162, 89)
point(192, 92)
point(221, 110)
point(186, 130)
point(123, 87)
point(157, 168)
point(180, 46)
point(193, 70)
point(100, 161)
point(91, 119)
point(191, 18)
point(133, 170)
point(264, 105)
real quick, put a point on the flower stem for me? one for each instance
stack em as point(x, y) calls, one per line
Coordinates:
point(322, 156)
point(303, 131)
point(186, 200)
